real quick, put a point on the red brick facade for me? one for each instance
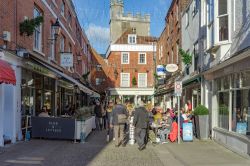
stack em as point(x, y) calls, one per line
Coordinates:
point(169, 42)
point(133, 68)
point(14, 12)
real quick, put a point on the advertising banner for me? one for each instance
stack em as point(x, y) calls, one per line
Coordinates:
point(187, 132)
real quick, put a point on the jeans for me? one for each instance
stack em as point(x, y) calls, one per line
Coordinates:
point(163, 134)
point(99, 123)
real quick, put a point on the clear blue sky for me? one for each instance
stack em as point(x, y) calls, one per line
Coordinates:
point(94, 17)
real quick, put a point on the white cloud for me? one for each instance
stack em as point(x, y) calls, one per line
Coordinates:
point(98, 36)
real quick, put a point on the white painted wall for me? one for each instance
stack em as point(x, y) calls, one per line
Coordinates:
point(190, 33)
point(1, 114)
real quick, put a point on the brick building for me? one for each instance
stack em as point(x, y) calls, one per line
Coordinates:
point(39, 62)
point(131, 67)
point(168, 46)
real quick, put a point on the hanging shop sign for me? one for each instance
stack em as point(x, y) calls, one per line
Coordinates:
point(66, 59)
point(160, 70)
point(171, 68)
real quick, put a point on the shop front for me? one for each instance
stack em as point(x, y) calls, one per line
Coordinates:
point(231, 106)
point(191, 92)
point(133, 95)
point(45, 86)
point(10, 130)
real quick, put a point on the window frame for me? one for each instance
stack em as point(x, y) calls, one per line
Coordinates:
point(62, 45)
point(145, 81)
point(122, 54)
point(217, 22)
point(121, 83)
point(139, 58)
point(62, 9)
point(132, 36)
point(37, 42)
point(187, 17)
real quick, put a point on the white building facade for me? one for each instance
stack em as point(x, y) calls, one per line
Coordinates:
point(226, 71)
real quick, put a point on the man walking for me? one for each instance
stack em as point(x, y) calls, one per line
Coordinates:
point(119, 118)
point(141, 120)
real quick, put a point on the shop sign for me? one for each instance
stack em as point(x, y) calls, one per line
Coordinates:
point(160, 70)
point(55, 128)
point(66, 59)
point(171, 68)
point(187, 132)
point(37, 68)
point(178, 88)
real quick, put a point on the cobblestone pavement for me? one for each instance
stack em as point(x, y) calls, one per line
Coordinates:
point(96, 152)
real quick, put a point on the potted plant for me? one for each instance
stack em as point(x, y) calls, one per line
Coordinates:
point(201, 114)
point(134, 82)
point(28, 26)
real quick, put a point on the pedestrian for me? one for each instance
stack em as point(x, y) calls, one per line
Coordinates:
point(103, 115)
point(44, 112)
point(98, 115)
point(119, 117)
point(141, 122)
point(108, 117)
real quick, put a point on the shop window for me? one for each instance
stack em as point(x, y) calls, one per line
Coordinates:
point(241, 110)
point(223, 110)
point(245, 78)
point(235, 80)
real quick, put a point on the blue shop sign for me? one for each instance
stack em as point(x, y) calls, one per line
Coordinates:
point(187, 132)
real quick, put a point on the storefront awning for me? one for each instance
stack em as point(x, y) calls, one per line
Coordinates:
point(81, 86)
point(7, 74)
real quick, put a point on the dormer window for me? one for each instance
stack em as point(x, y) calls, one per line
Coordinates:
point(132, 39)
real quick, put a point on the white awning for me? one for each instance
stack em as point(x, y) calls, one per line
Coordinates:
point(81, 86)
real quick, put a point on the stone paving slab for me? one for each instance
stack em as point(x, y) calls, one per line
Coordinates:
point(96, 152)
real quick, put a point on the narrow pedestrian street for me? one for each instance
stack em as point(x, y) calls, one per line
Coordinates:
point(96, 152)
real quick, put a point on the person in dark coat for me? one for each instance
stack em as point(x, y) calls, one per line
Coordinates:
point(98, 115)
point(141, 122)
point(118, 127)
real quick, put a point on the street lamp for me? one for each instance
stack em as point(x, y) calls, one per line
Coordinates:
point(56, 28)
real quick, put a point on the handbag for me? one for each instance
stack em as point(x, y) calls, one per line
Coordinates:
point(122, 118)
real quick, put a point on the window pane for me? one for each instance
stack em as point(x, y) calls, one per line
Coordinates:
point(222, 7)
point(223, 25)
point(236, 80)
point(210, 10)
point(142, 58)
point(223, 120)
point(125, 80)
point(241, 110)
point(246, 78)
point(142, 80)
